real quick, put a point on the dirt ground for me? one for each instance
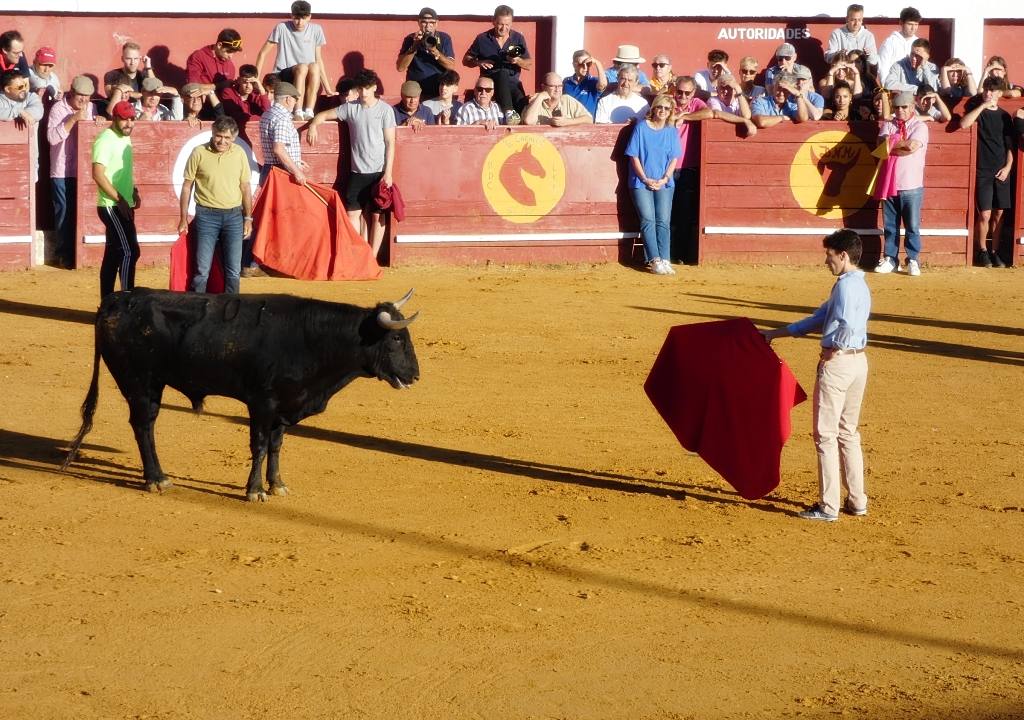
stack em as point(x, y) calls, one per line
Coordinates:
point(519, 535)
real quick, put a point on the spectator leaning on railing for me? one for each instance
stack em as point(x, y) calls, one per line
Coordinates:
point(553, 107)
point(16, 102)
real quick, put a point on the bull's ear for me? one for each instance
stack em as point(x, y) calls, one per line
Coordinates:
point(398, 304)
point(385, 321)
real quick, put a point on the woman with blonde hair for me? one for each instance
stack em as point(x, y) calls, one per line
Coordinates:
point(653, 151)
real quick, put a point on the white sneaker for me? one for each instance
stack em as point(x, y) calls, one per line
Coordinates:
point(299, 115)
point(885, 265)
point(913, 268)
point(667, 267)
point(308, 112)
point(656, 267)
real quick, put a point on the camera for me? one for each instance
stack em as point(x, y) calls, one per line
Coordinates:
point(431, 40)
point(513, 51)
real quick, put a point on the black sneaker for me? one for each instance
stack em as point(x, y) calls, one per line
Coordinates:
point(995, 260)
point(982, 259)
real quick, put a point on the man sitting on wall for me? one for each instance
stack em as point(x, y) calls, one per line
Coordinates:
point(426, 54)
point(553, 107)
point(210, 66)
point(501, 54)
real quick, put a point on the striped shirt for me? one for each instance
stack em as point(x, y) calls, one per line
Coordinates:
point(471, 113)
point(276, 126)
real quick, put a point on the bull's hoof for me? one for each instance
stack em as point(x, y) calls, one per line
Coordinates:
point(281, 489)
point(256, 496)
point(158, 486)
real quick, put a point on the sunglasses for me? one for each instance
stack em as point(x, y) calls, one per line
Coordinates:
point(783, 58)
point(686, 92)
point(745, 71)
point(484, 89)
point(659, 64)
point(666, 108)
point(236, 44)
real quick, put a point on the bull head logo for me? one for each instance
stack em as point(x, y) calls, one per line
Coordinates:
point(511, 175)
point(834, 166)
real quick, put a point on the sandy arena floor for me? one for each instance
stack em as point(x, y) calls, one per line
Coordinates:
point(519, 535)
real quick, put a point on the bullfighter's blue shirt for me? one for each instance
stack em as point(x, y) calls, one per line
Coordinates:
point(843, 318)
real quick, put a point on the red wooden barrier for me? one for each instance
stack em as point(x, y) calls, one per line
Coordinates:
point(772, 197)
point(19, 159)
point(512, 195)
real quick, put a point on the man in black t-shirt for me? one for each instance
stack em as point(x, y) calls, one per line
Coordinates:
point(426, 54)
point(993, 189)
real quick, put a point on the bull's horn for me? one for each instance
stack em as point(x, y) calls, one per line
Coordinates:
point(398, 305)
point(384, 319)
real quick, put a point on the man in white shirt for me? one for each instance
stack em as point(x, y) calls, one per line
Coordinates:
point(625, 104)
point(897, 46)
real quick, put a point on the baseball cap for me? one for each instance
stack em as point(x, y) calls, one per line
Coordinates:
point(46, 56)
point(83, 85)
point(283, 89)
point(785, 50)
point(123, 111)
point(411, 88)
point(905, 99)
point(427, 14)
point(151, 84)
point(803, 72)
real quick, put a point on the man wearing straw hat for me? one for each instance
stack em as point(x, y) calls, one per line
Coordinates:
point(219, 173)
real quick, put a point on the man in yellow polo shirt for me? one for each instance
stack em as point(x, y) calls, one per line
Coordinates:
point(117, 198)
point(219, 172)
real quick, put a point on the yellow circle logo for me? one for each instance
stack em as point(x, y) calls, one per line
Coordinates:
point(831, 173)
point(523, 177)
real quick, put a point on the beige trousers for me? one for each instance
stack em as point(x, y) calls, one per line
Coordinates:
point(838, 393)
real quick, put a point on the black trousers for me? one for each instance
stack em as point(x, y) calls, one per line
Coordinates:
point(121, 253)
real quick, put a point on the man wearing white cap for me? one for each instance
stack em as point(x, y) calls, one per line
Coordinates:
point(627, 55)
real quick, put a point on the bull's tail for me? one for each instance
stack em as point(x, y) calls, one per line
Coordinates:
point(88, 407)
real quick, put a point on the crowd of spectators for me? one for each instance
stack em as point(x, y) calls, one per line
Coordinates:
point(861, 79)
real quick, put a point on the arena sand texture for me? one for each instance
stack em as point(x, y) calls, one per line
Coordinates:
point(519, 535)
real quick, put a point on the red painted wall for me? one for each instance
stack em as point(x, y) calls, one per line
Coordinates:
point(687, 41)
point(91, 44)
point(1003, 37)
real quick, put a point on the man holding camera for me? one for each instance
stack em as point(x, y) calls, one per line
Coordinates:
point(426, 54)
point(501, 54)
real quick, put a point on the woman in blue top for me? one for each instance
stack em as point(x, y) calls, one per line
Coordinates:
point(653, 151)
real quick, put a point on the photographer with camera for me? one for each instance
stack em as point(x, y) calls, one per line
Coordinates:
point(501, 54)
point(426, 53)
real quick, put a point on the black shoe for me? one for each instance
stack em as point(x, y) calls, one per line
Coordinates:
point(982, 259)
point(995, 260)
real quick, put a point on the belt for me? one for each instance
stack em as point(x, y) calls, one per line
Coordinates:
point(844, 351)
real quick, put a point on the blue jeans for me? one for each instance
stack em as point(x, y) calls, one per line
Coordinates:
point(655, 210)
point(65, 207)
point(905, 206)
point(213, 225)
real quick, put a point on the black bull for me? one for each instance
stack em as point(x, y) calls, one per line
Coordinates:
point(283, 356)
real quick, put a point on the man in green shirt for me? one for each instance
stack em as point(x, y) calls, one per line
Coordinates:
point(219, 172)
point(117, 198)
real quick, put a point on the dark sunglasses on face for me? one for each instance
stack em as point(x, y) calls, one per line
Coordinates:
point(744, 71)
point(783, 58)
point(484, 89)
point(659, 64)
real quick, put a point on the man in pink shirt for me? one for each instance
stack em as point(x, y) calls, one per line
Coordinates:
point(62, 134)
point(690, 109)
point(907, 136)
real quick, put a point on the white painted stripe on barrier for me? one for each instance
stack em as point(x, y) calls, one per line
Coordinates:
point(143, 239)
point(15, 239)
point(518, 237)
point(723, 230)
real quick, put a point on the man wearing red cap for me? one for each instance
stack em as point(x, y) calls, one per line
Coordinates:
point(210, 66)
point(117, 198)
point(41, 78)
